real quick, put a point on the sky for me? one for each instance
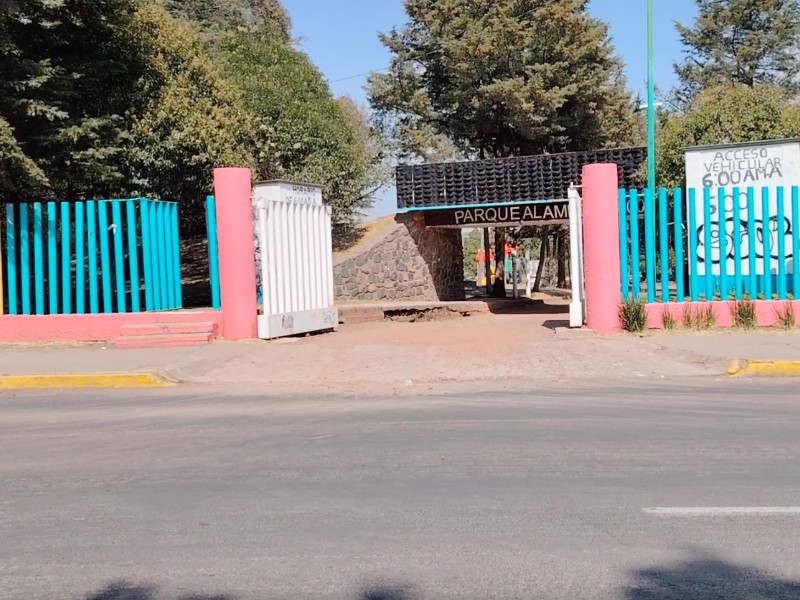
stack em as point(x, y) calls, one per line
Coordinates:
point(341, 37)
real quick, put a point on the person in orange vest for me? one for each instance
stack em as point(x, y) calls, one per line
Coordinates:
point(480, 258)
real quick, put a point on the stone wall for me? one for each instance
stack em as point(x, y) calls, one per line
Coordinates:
point(408, 262)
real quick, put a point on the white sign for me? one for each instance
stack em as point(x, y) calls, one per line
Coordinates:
point(770, 164)
point(285, 191)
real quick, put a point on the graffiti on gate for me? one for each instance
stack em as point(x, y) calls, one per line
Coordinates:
point(770, 226)
point(773, 229)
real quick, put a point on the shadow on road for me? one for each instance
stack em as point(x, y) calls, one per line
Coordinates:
point(125, 591)
point(709, 578)
point(702, 578)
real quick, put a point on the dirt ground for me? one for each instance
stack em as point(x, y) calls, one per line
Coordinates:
point(514, 344)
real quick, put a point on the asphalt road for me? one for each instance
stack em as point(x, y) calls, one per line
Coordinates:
point(555, 493)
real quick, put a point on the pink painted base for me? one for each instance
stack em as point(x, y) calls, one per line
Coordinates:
point(89, 328)
point(766, 312)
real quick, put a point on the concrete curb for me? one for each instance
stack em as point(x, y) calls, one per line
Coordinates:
point(83, 380)
point(765, 368)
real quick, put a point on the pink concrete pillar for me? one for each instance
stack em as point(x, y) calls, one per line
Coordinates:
point(601, 247)
point(237, 262)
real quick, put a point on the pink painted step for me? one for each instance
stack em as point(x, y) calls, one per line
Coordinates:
point(163, 340)
point(182, 327)
point(166, 335)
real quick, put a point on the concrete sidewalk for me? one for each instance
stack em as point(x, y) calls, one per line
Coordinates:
point(490, 351)
point(759, 344)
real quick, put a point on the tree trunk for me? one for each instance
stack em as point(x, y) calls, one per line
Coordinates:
point(537, 284)
point(499, 287)
point(562, 259)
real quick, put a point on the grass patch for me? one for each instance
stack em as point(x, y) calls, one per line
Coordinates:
point(707, 317)
point(633, 314)
point(669, 322)
point(744, 313)
point(699, 317)
point(786, 317)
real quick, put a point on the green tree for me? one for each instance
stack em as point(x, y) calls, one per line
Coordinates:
point(720, 115)
point(298, 130)
point(472, 244)
point(20, 176)
point(372, 147)
point(214, 17)
point(505, 77)
point(740, 41)
point(63, 73)
point(188, 119)
point(110, 106)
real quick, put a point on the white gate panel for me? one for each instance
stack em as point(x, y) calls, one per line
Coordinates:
point(577, 306)
point(294, 243)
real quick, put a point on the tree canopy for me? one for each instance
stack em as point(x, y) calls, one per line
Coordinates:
point(298, 130)
point(65, 68)
point(112, 98)
point(188, 119)
point(740, 41)
point(215, 17)
point(503, 77)
point(724, 114)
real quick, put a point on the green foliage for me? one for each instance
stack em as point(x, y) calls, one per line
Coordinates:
point(371, 149)
point(744, 313)
point(110, 98)
point(190, 120)
point(19, 174)
point(214, 17)
point(501, 78)
point(746, 42)
point(721, 115)
point(298, 131)
point(633, 314)
point(472, 244)
point(65, 69)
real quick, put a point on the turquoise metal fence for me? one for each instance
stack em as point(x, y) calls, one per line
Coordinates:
point(213, 255)
point(109, 256)
point(720, 244)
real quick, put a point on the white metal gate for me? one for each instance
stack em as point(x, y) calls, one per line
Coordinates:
point(294, 259)
point(577, 306)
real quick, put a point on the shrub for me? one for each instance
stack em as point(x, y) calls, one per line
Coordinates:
point(744, 313)
point(699, 317)
point(706, 318)
point(786, 318)
point(633, 314)
point(667, 320)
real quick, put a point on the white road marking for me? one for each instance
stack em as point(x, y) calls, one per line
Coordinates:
point(711, 511)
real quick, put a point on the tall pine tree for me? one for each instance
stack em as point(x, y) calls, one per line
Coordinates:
point(505, 77)
point(740, 41)
point(64, 77)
